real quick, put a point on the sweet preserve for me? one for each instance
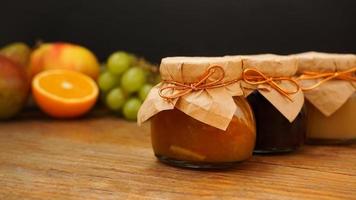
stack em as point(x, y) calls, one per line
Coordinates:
point(181, 140)
point(275, 134)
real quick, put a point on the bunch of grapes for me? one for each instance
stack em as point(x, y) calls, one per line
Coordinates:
point(125, 82)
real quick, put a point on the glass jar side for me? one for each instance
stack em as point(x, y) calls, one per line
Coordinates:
point(275, 134)
point(183, 141)
point(339, 128)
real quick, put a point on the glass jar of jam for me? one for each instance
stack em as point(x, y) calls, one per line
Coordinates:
point(181, 140)
point(331, 99)
point(280, 117)
point(339, 128)
point(275, 134)
point(199, 116)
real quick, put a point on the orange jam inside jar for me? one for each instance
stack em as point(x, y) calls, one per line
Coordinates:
point(199, 117)
point(183, 141)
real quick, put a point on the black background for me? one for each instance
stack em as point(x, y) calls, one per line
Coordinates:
point(158, 28)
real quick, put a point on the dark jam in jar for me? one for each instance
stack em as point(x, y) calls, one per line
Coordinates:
point(275, 134)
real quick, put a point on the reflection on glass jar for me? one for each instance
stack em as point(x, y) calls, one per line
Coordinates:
point(339, 128)
point(275, 134)
point(180, 140)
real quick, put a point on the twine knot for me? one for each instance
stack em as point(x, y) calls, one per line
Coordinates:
point(253, 76)
point(202, 84)
point(250, 76)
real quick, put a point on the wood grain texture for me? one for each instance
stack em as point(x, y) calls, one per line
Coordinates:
point(107, 158)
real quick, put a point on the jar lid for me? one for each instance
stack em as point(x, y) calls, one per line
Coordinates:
point(324, 62)
point(190, 69)
point(271, 64)
point(283, 68)
point(201, 87)
point(321, 81)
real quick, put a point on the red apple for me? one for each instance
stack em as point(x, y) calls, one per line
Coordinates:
point(64, 56)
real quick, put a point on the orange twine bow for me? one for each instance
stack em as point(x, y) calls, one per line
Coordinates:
point(185, 88)
point(347, 75)
point(254, 77)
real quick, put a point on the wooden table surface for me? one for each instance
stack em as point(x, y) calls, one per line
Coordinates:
point(107, 158)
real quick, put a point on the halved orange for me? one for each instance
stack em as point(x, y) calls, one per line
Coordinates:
point(64, 93)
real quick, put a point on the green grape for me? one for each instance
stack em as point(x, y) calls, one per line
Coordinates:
point(115, 99)
point(131, 108)
point(143, 92)
point(107, 81)
point(133, 79)
point(119, 62)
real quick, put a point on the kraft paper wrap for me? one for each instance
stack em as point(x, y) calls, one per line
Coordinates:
point(276, 66)
point(331, 95)
point(214, 107)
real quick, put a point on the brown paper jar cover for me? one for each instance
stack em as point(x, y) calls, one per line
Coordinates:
point(331, 105)
point(280, 122)
point(214, 107)
point(207, 128)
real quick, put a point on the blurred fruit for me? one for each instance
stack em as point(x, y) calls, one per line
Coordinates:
point(107, 81)
point(133, 79)
point(115, 99)
point(64, 93)
point(64, 56)
point(18, 52)
point(144, 90)
point(119, 62)
point(36, 64)
point(14, 88)
point(125, 82)
point(131, 108)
